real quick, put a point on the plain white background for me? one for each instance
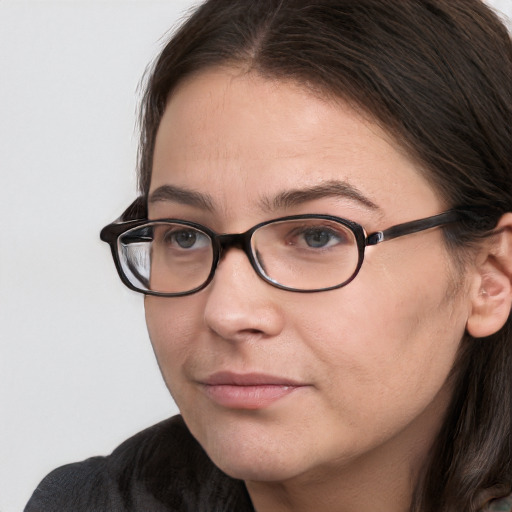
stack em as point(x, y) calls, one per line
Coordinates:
point(77, 374)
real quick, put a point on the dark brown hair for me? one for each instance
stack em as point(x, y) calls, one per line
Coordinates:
point(437, 75)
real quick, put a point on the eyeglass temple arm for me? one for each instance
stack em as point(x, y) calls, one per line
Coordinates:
point(414, 226)
point(136, 211)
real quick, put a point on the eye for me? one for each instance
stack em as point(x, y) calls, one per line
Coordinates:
point(320, 237)
point(185, 238)
point(317, 237)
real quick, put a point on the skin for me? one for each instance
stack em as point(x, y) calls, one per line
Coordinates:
point(373, 357)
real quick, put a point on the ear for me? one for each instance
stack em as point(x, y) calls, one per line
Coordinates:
point(491, 290)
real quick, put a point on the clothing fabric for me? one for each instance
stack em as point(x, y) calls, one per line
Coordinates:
point(161, 469)
point(503, 505)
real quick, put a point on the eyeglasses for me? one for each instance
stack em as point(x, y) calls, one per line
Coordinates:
point(299, 253)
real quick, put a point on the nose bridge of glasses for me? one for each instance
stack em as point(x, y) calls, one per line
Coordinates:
point(230, 241)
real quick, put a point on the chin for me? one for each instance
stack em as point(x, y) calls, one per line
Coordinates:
point(272, 444)
point(255, 469)
point(251, 450)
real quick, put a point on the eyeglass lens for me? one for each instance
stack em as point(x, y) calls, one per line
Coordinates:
point(300, 254)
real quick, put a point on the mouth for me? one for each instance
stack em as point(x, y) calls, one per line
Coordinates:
point(247, 391)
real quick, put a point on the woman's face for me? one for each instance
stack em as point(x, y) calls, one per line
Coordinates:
point(276, 384)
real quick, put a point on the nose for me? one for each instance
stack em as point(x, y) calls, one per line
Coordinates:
point(240, 305)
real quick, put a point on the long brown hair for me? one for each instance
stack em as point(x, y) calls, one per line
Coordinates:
point(437, 75)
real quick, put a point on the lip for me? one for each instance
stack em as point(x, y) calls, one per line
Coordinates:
point(248, 390)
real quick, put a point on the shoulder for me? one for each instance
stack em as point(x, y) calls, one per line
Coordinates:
point(70, 488)
point(162, 468)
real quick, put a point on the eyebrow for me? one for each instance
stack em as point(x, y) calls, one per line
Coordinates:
point(332, 188)
point(182, 196)
point(283, 200)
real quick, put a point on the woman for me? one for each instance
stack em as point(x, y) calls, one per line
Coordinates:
point(315, 366)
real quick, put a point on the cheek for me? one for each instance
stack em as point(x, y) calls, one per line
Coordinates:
point(388, 344)
point(172, 326)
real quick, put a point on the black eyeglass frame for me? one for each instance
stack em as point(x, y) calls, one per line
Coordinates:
point(223, 242)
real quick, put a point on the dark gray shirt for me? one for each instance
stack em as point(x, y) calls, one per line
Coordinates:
point(161, 469)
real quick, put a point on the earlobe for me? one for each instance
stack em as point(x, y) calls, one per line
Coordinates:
point(491, 293)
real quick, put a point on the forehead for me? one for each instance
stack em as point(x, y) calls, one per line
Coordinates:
point(241, 137)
